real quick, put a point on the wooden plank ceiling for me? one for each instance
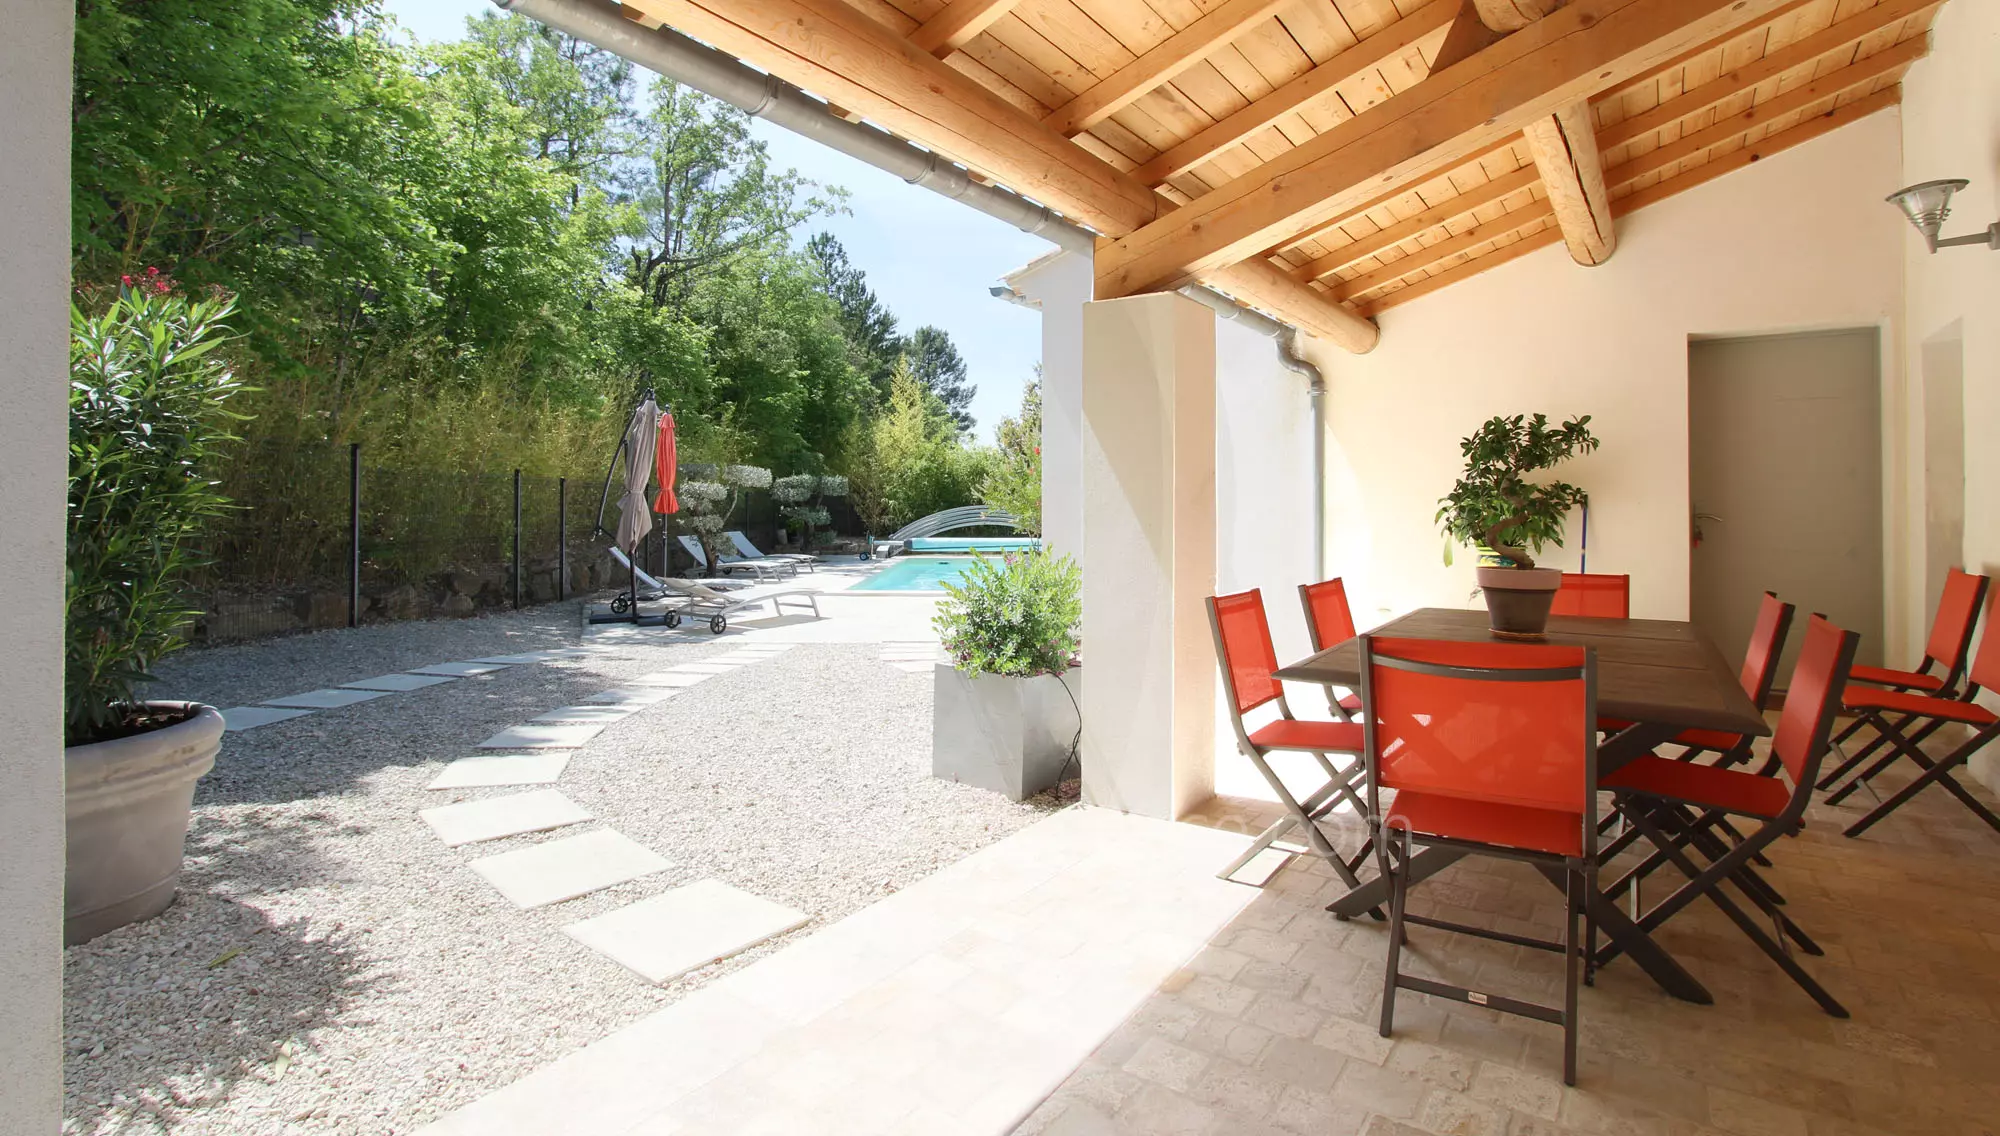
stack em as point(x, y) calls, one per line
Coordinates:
point(1329, 159)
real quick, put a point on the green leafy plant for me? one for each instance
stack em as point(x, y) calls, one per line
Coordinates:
point(1017, 616)
point(147, 418)
point(1496, 505)
point(1015, 483)
point(799, 500)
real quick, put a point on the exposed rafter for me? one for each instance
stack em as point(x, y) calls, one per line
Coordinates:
point(1444, 212)
point(958, 24)
point(1177, 53)
point(1470, 239)
point(1513, 15)
point(1564, 146)
point(1555, 61)
point(1314, 84)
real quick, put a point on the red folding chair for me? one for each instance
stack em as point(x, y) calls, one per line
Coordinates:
point(1330, 623)
point(1490, 748)
point(1946, 649)
point(1653, 792)
point(1872, 706)
point(1243, 648)
point(1594, 593)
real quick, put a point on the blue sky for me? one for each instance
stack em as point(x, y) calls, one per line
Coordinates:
point(931, 260)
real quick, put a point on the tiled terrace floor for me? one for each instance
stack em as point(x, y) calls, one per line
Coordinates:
point(1271, 1028)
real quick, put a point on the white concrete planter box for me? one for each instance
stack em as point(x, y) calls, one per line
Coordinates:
point(1010, 735)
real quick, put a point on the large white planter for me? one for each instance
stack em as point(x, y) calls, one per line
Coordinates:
point(128, 802)
point(1010, 735)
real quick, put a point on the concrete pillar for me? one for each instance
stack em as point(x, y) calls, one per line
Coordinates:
point(34, 332)
point(1149, 554)
point(1061, 284)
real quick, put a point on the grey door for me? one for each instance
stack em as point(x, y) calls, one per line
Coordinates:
point(1785, 448)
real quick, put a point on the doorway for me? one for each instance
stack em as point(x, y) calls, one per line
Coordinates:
point(1785, 478)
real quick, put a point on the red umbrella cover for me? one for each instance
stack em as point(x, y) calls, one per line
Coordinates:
point(663, 469)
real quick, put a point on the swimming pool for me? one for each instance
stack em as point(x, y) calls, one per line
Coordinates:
point(917, 574)
point(974, 543)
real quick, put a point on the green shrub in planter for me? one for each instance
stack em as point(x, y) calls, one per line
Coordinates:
point(1017, 616)
point(147, 413)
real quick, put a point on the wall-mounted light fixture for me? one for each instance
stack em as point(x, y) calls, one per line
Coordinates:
point(1928, 203)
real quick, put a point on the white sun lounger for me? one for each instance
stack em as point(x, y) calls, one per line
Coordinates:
point(698, 601)
point(749, 551)
point(764, 571)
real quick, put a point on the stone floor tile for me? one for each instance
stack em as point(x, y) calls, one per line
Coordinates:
point(1746, 1115)
point(325, 699)
point(396, 682)
point(549, 735)
point(631, 696)
point(239, 718)
point(607, 713)
point(668, 679)
point(459, 670)
point(1354, 1039)
point(501, 769)
point(495, 817)
point(1262, 867)
point(1164, 1063)
point(568, 867)
point(1517, 1089)
point(666, 936)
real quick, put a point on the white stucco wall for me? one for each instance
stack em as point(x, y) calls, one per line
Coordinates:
point(1060, 284)
point(1799, 241)
point(1951, 128)
point(34, 294)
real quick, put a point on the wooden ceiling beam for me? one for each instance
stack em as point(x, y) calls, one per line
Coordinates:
point(1395, 192)
point(1756, 72)
point(1632, 202)
point(1589, 45)
point(1314, 84)
point(959, 23)
point(1423, 258)
point(1720, 42)
point(1513, 15)
point(1468, 36)
point(1175, 54)
point(1564, 147)
point(1444, 212)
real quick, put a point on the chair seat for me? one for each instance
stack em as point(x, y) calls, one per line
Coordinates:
point(1883, 676)
point(1613, 725)
point(1350, 703)
point(1729, 789)
point(1721, 741)
point(1486, 822)
point(1287, 733)
point(1902, 701)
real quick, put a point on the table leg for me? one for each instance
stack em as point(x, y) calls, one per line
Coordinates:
point(1375, 892)
point(1649, 955)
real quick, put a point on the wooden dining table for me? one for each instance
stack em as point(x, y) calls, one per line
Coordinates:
point(1659, 675)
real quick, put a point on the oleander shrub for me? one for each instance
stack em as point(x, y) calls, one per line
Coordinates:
point(1016, 616)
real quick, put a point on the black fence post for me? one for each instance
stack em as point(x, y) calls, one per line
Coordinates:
point(517, 540)
point(562, 539)
point(354, 534)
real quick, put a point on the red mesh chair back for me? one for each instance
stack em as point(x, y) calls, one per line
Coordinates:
point(1767, 642)
point(1328, 618)
point(1813, 698)
point(1604, 596)
point(1958, 610)
point(1985, 672)
point(1243, 640)
point(1497, 722)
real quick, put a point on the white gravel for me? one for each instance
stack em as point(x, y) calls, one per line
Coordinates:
point(332, 967)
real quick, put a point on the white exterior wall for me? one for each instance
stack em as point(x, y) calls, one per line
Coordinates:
point(1951, 128)
point(1061, 284)
point(1800, 241)
point(34, 326)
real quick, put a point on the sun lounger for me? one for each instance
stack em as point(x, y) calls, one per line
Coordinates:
point(749, 551)
point(763, 570)
point(699, 601)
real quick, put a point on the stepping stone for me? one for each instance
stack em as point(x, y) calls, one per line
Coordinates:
point(552, 735)
point(507, 769)
point(570, 652)
point(564, 869)
point(325, 699)
point(633, 695)
point(513, 660)
point(666, 678)
point(492, 819)
point(1261, 868)
point(395, 682)
point(459, 670)
point(666, 936)
point(239, 718)
point(605, 714)
point(702, 668)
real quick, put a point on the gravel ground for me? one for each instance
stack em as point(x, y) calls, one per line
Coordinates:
point(332, 967)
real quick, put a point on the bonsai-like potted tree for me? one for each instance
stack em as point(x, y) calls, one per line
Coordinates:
point(1494, 505)
point(147, 413)
point(1004, 717)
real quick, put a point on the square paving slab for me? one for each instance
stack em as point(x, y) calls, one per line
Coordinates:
point(503, 816)
point(458, 670)
point(615, 712)
point(502, 769)
point(325, 699)
point(707, 668)
point(395, 682)
point(666, 936)
point(564, 869)
point(238, 718)
point(632, 695)
point(669, 678)
point(544, 735)
point(513, 660)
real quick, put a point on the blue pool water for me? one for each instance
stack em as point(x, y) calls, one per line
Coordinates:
point(974, 543)
point(916, 574)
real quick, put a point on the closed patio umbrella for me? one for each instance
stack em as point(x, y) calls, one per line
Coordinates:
point(665, 503)
point(642, 436)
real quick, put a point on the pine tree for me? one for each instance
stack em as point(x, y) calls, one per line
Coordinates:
point(935, 361)
point(873, 345)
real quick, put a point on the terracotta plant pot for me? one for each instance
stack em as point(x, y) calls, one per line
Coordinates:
point(1518, 600)
point(128, 801)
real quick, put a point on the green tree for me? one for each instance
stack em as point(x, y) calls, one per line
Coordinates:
point(912, 462)
point(1015, 482)
point(872, 341)
point(935, 361)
